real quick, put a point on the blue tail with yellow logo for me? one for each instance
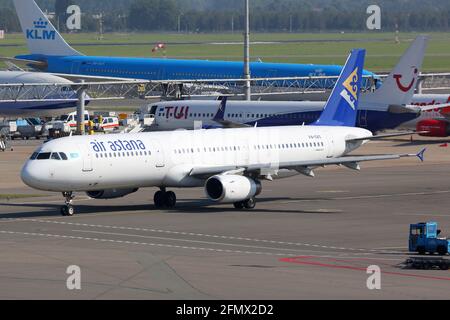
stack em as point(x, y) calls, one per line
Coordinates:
point(342, 106)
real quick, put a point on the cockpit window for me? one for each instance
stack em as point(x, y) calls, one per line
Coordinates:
point(48, 155)
point(43, 156)
point(55, 156)
point(153, 110)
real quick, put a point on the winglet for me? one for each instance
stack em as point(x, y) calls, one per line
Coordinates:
point(421, 155)
point(220, 115)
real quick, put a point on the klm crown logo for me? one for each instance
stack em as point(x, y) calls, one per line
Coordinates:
point(350, 91)
point(40, 32)
point(40, 24)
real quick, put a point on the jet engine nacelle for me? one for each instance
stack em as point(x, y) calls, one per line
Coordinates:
point(231, 188)
point(110, 194)
point(435, 128)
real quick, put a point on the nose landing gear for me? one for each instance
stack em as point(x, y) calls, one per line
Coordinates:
point(68, 209)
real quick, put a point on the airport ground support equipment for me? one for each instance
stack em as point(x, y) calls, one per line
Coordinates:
point(423, 239)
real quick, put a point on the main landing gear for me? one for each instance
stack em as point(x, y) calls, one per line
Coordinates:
point(164, 198)
point(248, 204)
point(68, 209)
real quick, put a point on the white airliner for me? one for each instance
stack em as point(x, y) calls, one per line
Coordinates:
point(386, 108)
point(51, 106)
point(229, 163)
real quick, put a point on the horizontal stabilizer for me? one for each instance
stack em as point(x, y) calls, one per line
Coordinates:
point(25, 62)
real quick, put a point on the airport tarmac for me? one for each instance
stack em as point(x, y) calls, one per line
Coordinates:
point(306, 239)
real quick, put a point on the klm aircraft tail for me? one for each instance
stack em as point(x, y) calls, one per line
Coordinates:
point(42, 37)
point(342, 106)
point(399, 87)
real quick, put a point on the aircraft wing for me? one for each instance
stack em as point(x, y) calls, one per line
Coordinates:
point(386, 136)
point(443, 109)
point(303, 167)
point(75, 77)
point(231, 124)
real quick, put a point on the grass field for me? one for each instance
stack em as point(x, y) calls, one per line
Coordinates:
point(383, 52)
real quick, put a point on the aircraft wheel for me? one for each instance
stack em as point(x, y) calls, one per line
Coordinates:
point(239, 205)
point(170, 199)
point(67, 210)
point(250, 203)
point(159, 199)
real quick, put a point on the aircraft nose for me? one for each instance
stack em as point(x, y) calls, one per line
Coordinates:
point(32, 176)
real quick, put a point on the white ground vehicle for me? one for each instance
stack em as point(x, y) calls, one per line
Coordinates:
point(67, 122)
point(107, 124)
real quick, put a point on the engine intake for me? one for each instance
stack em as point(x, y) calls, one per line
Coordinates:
point(231, 188)
point(110, 194)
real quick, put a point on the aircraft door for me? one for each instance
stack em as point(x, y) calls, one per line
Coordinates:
point(87, 159)
point(330, 146)
point(159, 156)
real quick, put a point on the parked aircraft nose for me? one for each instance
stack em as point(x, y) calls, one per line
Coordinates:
point(33, 176)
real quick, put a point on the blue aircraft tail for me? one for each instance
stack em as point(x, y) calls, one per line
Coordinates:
point(342, 106)
point(220, 115)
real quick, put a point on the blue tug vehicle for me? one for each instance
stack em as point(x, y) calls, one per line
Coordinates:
point(423, 238)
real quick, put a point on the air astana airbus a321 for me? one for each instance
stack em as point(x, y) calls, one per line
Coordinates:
point(229, 163)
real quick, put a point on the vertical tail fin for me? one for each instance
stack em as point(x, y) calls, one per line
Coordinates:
point(42, 37)
point(220, 115)
point(342, 106)
point(399, 87)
